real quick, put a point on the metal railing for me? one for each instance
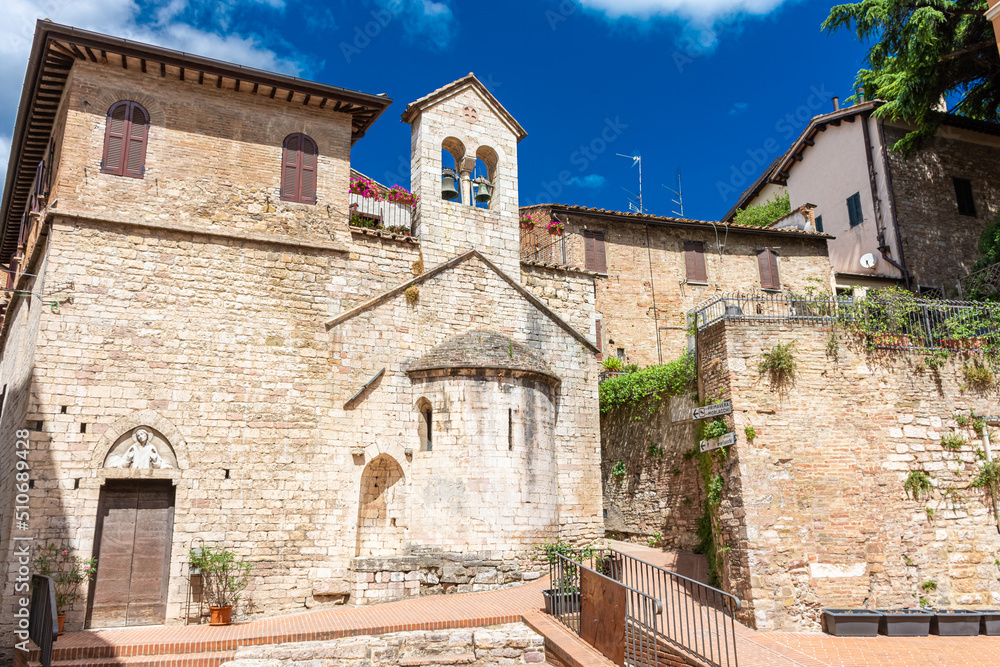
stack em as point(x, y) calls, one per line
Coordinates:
point(43, 623)
point(888, 320)
point(693, 617)
point(567, 604)
point(543, 248)
point(382, 215)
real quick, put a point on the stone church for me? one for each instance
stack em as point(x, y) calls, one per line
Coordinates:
point(209, 343)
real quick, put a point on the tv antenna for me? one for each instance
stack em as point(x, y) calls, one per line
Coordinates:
point(636, 161)
point(679, 193)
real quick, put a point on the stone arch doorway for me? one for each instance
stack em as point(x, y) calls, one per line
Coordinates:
point(381, 506)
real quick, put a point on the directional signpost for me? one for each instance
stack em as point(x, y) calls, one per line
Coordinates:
point(714, 410)
point(718, 443)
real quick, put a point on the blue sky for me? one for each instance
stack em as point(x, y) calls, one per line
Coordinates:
point(716, 88)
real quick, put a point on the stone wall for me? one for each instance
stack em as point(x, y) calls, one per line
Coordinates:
point(497, 646)
point(661, 492)
point(940, 246)
point(814, 509)
point(429, 572)
point(638, 276)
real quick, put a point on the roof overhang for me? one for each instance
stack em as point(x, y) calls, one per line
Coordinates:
point(56, 47)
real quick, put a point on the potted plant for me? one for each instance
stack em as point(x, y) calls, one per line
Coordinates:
point(555, 227)
point(67, 572)
point(223, 578)
point(905, 622)
point(851, 622)
point(527, 221)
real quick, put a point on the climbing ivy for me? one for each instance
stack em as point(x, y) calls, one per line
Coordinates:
point(648, 386)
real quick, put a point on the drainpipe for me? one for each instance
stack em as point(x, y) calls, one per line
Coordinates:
point(892, 206)
point(652, 289)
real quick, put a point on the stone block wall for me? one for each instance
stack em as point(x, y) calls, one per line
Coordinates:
point(814, 509)
point(940, 246)
point(377, 580)
point(497, 646)
point(661, 491)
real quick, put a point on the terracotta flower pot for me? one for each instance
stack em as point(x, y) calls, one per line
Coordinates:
point(220, 615)
point(62, 620)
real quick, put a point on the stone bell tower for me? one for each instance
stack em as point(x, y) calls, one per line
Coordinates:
point(477, 206)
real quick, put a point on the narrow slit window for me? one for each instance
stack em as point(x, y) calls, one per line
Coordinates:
point(510, 429)
point(963, 195)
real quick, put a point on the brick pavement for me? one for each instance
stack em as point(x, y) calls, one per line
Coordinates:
point(213, 645)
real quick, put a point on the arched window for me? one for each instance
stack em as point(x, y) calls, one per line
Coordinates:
point(125, 135)
point(298, 169)
point(425, 427)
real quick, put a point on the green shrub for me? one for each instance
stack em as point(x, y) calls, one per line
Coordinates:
point(764, 214)
point(651, 385)
point(918, 483)
point(618, 471)
point(778, 364)
point(715, 428)
point(750, 432)
point(611, 364)
point(978, 375)
point(953, 441)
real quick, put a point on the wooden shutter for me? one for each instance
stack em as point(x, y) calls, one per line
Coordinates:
point(600, 257)
point(135, 151)
point(595, 257)
point(767, 264)
point(600, 342)
point(114, 138)
point(694, 262)
point(299, 159)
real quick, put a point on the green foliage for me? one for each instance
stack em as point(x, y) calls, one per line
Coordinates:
point(618, 471)
point(961, 420)
point(928, 586)
point(930, 512)
point(923, 602)
point(907, 560)
point(779, 365)
point(612, 364)
point(715, 428)
point(989, 246)
point(706, 546)
point(917, 483)
point(223, 575)
point(833, 346)
point(714, 490)
point(764, 214)
point(68, 572)
point(750, 432)
point(937, 359)
point(978, 423)
point(412, 294)
point(655, 539)
point(953, 441)
point(654, 451)
point(648, 386)
point(988, 477)
point(923, 51)
point(978, 375)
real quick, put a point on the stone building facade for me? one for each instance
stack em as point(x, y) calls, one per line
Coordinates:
point(643, 290)
point(209, 358)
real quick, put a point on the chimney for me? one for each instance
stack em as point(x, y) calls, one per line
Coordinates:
point(836, 104)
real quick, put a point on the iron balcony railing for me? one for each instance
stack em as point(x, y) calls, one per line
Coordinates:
point(43, 624)
point(983, 285)
point(694, 618)
point(888, 320)
point(542, 247)
point(567, 604)
point(381, 215)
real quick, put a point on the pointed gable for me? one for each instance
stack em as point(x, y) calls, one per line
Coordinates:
point(454, 88)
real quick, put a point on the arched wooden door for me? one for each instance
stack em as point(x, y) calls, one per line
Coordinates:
point(382, 502)
point(135, 526)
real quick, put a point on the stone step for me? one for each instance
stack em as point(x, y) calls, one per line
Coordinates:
point(177, 660)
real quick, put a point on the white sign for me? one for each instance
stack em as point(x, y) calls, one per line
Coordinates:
point(716, 410)
point(718, 443)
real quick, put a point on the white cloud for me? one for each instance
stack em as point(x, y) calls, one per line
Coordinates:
point(429, 22)
point(592, 181)
point(704, 10)
point(159, 22)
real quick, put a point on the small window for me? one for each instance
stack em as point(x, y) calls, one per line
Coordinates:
point(600, 343)
point(963, 193)
point(125, 134)
point(819, 224)
point(510, 429)
point(298, 169)
point(620, 353)
point(767, 264)
point(694, 262)
point(594, 255)
point(426, 428)
point(3, 399)
point(854, 213)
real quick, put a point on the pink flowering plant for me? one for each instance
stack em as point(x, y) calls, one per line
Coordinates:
point(527, 221)
point(68, 572)
point(555, 226)
point(369, 189)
